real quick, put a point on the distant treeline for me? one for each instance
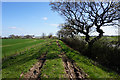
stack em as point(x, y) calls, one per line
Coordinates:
point(43, 36)
point(19, 37)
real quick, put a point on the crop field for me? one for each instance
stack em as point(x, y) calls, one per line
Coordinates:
point(48, 58)
point(14, 46)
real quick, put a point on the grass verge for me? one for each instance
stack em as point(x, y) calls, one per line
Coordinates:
point(93, 69)
point(53, 67)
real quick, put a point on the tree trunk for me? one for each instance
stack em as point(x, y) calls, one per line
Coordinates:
point(89, 50)
point(91, 42)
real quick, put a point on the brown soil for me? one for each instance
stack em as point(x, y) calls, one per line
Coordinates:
point(36, 69)
point(72, 71)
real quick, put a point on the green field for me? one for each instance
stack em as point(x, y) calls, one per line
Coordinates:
point(9, 42)
point(108, 38)
point(20, 64)
point(14, 46)
point(13, 67)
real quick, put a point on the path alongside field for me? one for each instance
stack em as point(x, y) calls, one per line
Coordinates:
point(52, 59)
point(34, 72)
point(70, 67)
point(37, 71)
point(70, 70)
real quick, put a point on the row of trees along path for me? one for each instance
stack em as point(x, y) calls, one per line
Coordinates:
point(86, 17)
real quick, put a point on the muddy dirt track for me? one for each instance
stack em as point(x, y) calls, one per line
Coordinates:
point(35, 70)
point(72, 71)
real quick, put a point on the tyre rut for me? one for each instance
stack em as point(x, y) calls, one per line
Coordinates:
point(72, 71)
point(35, 71)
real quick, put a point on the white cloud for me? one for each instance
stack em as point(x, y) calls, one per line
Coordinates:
point(45, 18)
point(54, 25)
point(12, 27)
point(16, 28)
point(110, 30)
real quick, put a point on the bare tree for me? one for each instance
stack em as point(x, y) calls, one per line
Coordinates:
point(50, 35)
point(29, 36)
point(83, 16)
point(66, 31)
point(12, 36)
point(43, 35)
point(60, 34)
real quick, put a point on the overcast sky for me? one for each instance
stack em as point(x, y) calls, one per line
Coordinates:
point(34, 18)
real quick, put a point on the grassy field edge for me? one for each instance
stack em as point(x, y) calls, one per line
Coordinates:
point(93, 69)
